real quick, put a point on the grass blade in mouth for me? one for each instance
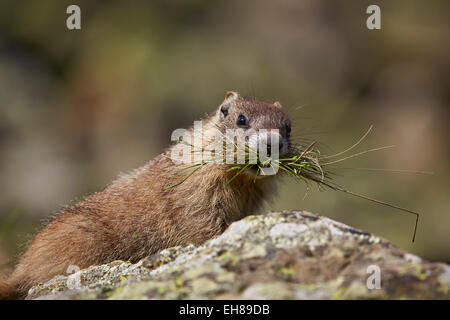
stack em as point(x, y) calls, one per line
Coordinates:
point(196, 168)
point(304, 165)
point(238, 173)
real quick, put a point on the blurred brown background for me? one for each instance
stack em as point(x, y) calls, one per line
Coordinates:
point(78, 107)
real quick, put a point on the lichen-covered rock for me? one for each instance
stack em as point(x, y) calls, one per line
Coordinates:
point(279, 255)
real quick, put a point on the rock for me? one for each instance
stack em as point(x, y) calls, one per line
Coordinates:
point(279, 255)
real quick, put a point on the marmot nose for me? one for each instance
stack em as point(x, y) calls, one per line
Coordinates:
point(269, 147)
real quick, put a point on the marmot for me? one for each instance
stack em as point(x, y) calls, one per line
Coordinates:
point(136, 215)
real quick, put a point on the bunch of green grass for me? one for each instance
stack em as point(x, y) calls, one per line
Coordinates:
point(305, 164)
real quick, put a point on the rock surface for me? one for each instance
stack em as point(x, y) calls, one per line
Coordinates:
point(279, 255)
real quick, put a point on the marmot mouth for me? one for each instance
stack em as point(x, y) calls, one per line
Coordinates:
point(256, 168)
point(261, 165)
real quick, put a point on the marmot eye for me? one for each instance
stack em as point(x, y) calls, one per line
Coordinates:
point(288, 129)
point(241, 120)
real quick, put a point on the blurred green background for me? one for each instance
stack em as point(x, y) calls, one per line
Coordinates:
point(78, 107)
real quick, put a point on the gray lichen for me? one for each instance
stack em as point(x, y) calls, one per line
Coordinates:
point(279, 255)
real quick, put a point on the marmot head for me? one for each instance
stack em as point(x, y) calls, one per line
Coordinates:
point(242, 131)
point(259, 121)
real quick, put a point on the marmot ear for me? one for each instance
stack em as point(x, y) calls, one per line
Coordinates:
point(230, 98)
point(277, 104)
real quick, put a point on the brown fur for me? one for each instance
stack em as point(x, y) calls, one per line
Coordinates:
point(134, 216)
